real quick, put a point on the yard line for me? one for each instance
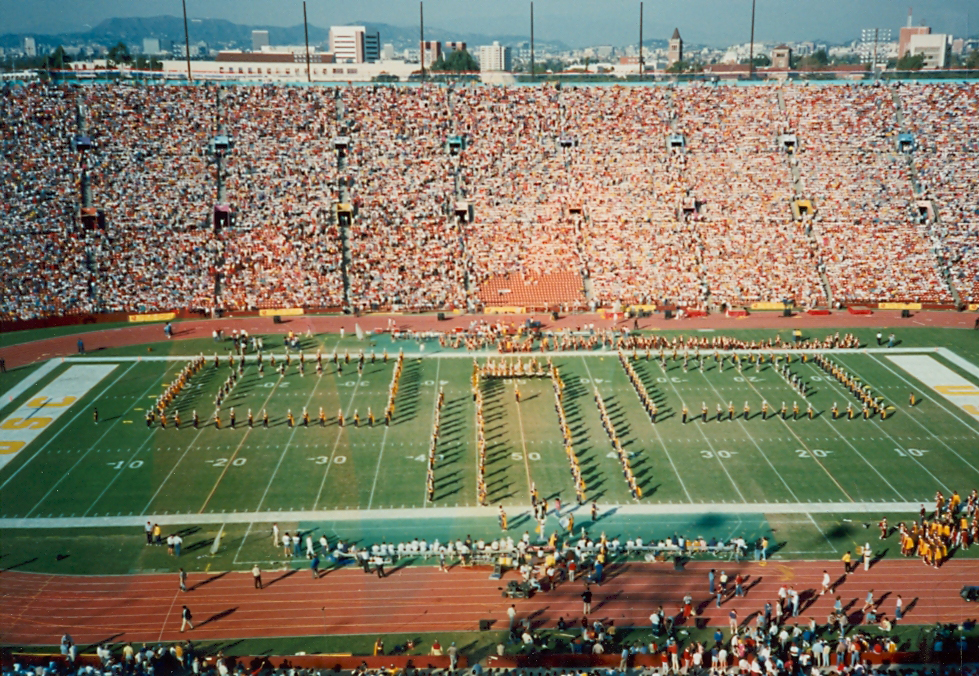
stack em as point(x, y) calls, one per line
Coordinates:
point(741, 423)
point(661, 443)
point(377, 471)
point(98, 441)
point(285, 450)
point(821, 532)
point(925, 428)
point(172, 470)
point(117, 475)
point(336, 443)
point(812, 455)
point(242, 544)
point(523, 443)
point(893, 440)
point(713, 451)
point(438, 366)
point(224, 470)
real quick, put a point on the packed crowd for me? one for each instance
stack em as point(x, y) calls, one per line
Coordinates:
point(868, 241)
point(652, 194)
point(945, 122)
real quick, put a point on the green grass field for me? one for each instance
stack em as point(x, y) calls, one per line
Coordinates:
point(696, 476)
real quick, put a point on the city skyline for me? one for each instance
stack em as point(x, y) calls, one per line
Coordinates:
point(577, 23)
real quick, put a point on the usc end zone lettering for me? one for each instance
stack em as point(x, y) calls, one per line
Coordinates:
point(37, 414)
point(943, 380)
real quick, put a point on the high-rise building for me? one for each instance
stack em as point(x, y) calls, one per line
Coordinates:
point(387, 51)
point(495, 57)
point(30, 47)
point(259, 39)
point(431, 51)
point(353, 44)
point(455, 46)
point(873, 43)
point(372, 47)
point(153, 46)
point(676, 47)
point(936, 48)
point(906, 33)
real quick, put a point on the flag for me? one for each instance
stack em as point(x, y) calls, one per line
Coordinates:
point(359, 331)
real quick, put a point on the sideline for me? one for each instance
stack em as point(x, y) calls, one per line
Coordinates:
point(419, 513)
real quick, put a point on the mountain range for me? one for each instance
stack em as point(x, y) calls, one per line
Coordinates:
point(222, 34)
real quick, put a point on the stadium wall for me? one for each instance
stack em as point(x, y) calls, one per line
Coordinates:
point(7, 326)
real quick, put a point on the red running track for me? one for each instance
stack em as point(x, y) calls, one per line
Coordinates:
point(37, 608)
point(821, 325)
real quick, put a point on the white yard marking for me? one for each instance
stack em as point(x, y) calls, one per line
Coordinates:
point(336, 444)
point(63, 428)
point(748, 434)
point(285, 450)
point(421, 513)
point(94, 447)
point(35, 415)
point(707, 440)
point(28, 382)
point(438, 366)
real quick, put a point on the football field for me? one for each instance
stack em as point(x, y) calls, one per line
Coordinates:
point(70, 467)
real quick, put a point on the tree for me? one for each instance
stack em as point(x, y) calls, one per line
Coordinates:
point(148, 63)
point(972, 62)
point(119, 54)
point(458, 61)
point(908, 62)
point(57, 59)
point(680, 67)
point(761, 61)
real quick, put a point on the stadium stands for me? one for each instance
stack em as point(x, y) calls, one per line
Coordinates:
point(577, 197)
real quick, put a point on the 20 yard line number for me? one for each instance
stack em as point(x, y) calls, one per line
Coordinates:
point(223, 462)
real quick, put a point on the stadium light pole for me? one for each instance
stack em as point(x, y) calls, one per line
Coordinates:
point(187, 41)
point(531, 40)
point(751, 44)
point(640, 39)
point(309, 78)
point(421, 35)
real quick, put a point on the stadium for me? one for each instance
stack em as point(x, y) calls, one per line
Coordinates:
point(528, 379)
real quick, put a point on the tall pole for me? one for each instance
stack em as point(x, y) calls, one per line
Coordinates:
point(875, 51)
point(531, 40)
point(421, 31)
point(751, 45)
point(309, 77)
point(640, 39)
point(187, 41)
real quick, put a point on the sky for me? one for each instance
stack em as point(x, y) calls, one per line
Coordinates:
point(575, 22)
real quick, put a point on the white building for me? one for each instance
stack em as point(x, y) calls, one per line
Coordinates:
point(387, 52)
point(495, 57)
point(353, 44)
point(935, 47)
point(285, 67)
point(30, 47)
